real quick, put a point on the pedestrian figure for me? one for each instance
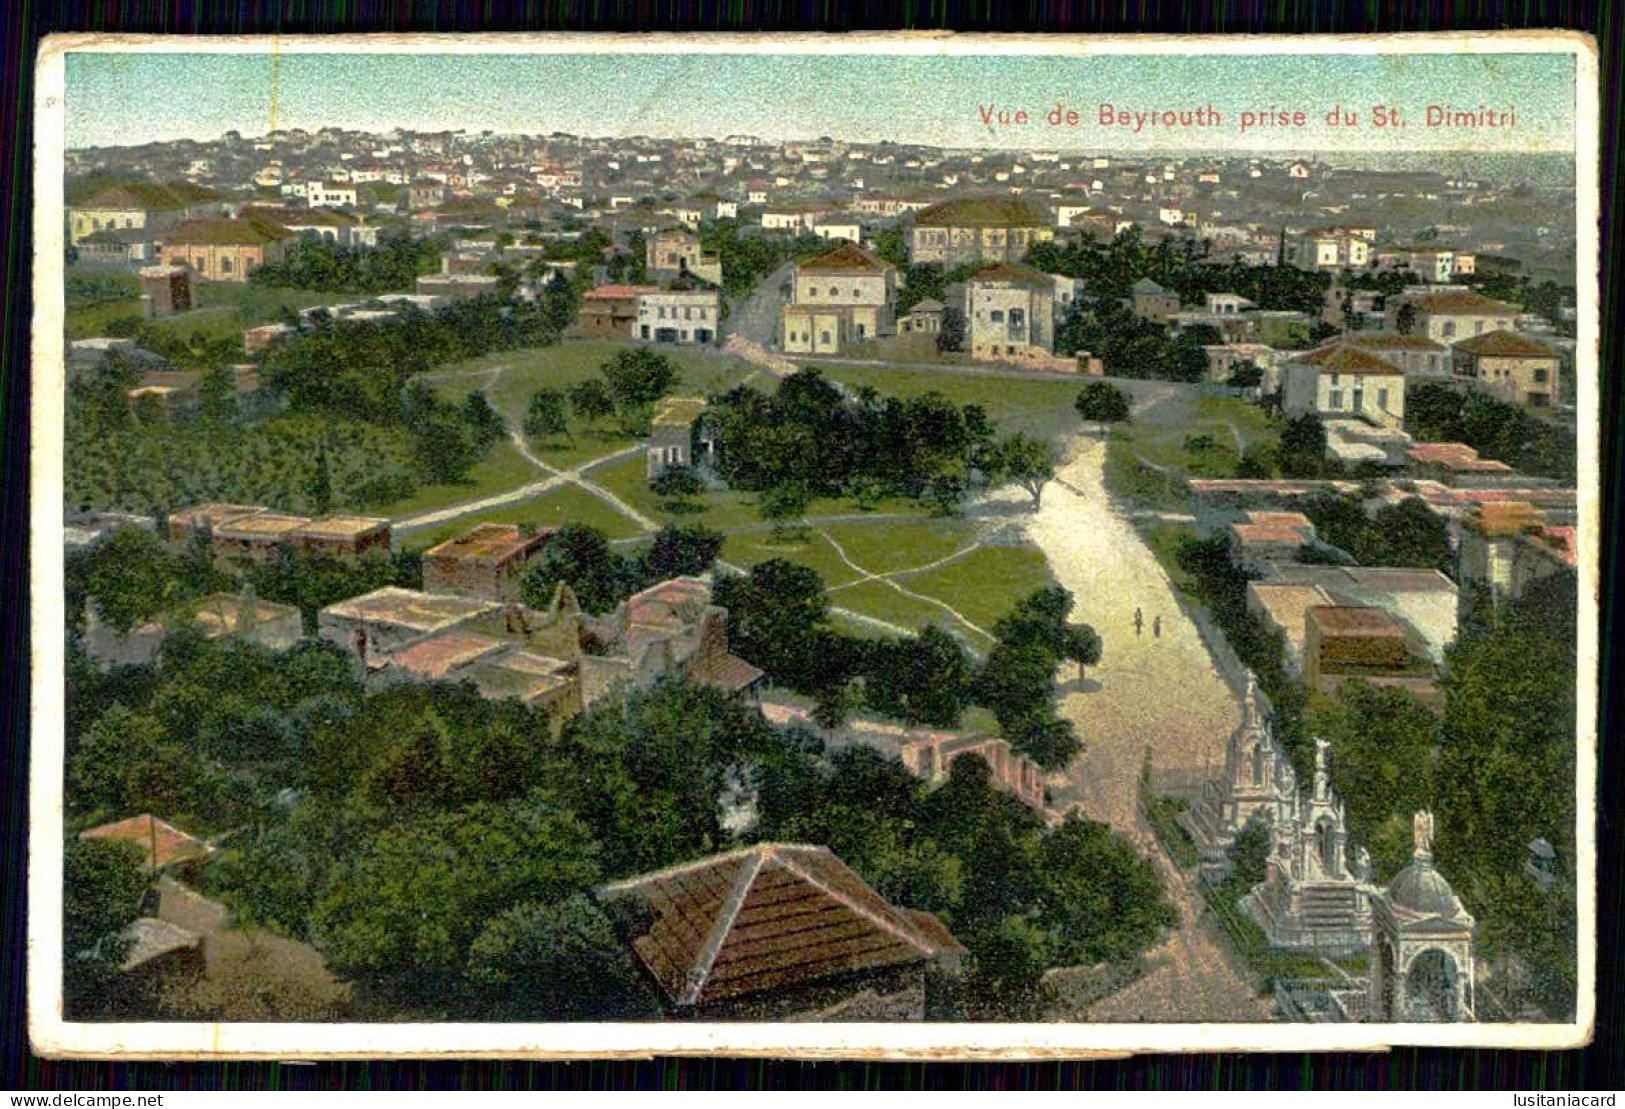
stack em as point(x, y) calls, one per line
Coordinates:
point(1139, 621)
point(1156, 627)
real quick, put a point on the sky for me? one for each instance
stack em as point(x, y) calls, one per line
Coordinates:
point(127, 98)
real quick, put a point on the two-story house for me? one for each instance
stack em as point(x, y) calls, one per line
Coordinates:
point(842, 296)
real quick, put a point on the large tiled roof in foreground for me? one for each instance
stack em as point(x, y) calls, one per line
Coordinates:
point(770, 917)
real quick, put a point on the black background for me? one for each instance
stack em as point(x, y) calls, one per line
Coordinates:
point(1602, 1065)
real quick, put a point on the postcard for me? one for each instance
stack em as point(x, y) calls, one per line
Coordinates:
point(883, 546)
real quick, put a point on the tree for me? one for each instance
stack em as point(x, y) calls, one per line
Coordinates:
point(581, 558)
point(415, 772)
point(407, 908)
point(130, 579)
point(1249, 852)
point(487, 425)
point(1101, 404)
point(1102, 901)
point(775, 615)
point(540, 961)
point(1412, 534)
point(103, 884)
point(1405, 318)
point(923, 680)
point(638, 378)
point(320, 491)
point(1028, 462)
point(590, 401)
point(678, 552)
point(1040, 618)
point(784, 506)
point(1301, 451)
point(952, 335)
point(442, 446)
point(547, 415)
point(217, 395)
point(677, 482)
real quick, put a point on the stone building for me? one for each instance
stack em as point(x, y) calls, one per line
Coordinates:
point(1422, 951)
point(225, 249)
point(672, 252)
point(1448, 315)
point(1011, 312)
point(141, 206)
point(1510, 366)
point(668, 628)
point(165, 290)
point(677, 436)
point(780, 931)
point(690, 318)
point(1150, 301)
point(842, 296)
point(378, 624)
point(1330, 248)
point(976, 230)
point(1342, 381)
point(610, 311)
point(486, 563)
point(1508, 546)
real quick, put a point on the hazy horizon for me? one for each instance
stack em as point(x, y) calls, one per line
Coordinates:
point(925, 100)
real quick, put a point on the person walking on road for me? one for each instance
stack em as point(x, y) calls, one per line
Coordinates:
point(1139, 621)
point(1156, 627)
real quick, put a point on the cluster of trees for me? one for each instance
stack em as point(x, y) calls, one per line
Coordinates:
point(601, 577)
point(1407, 533)
point(812, 439)
point(320, 264)
point(441, 849)
point(629, 384)
point(87, 287)
point(1111, 269)
point(778, 619)
point(1131, 346)
point(357, 368)
point(748, 258)
point(1022, 899)
point(1492, 427)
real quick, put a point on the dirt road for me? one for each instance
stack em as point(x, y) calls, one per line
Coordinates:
point(1158, 691)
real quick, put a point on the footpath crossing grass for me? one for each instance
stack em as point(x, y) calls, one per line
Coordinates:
point(500, 470)
point(1039, 408)
point(569, 504)
point(986, 584)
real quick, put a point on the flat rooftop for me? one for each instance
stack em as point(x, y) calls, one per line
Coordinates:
point(343, 527)
point(262, 525)
point(1354, 620)
point(213, 514)
point(492, 543)
point(437, 656)
point(410, 608)
point(221, 613)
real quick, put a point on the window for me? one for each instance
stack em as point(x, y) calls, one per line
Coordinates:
point(996, 316)
point(1382, 399)
point(1540, 377)
point(1334, 400)
point(823, 337)
point(1448, 330)
point(225, 265)
point(834, 292)
point(812, 292)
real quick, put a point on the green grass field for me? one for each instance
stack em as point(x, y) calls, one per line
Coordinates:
point(986, 584)
point(224, 310)
point(880, 601)
point(1039, 408)
point(885, 547)
point(567, 505)
point(500, 470)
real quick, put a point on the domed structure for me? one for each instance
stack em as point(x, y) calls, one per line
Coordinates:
point(1422, 889)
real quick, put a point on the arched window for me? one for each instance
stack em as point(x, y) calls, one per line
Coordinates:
point(1258, 764)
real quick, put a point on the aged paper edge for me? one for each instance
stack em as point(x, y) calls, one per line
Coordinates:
point(54, 1037)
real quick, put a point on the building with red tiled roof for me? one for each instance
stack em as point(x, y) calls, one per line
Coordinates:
point(1505, 547)
point(780, 931)
point(972, 230)
point(1343, 381)
point(1513, 367)
point(225, 249)
point(843, 296)
point(161, 844)
point(1448, 315)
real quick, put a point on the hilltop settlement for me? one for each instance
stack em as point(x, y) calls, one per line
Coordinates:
point(544, 577)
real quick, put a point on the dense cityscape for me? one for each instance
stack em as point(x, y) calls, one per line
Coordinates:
point(545, 577)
